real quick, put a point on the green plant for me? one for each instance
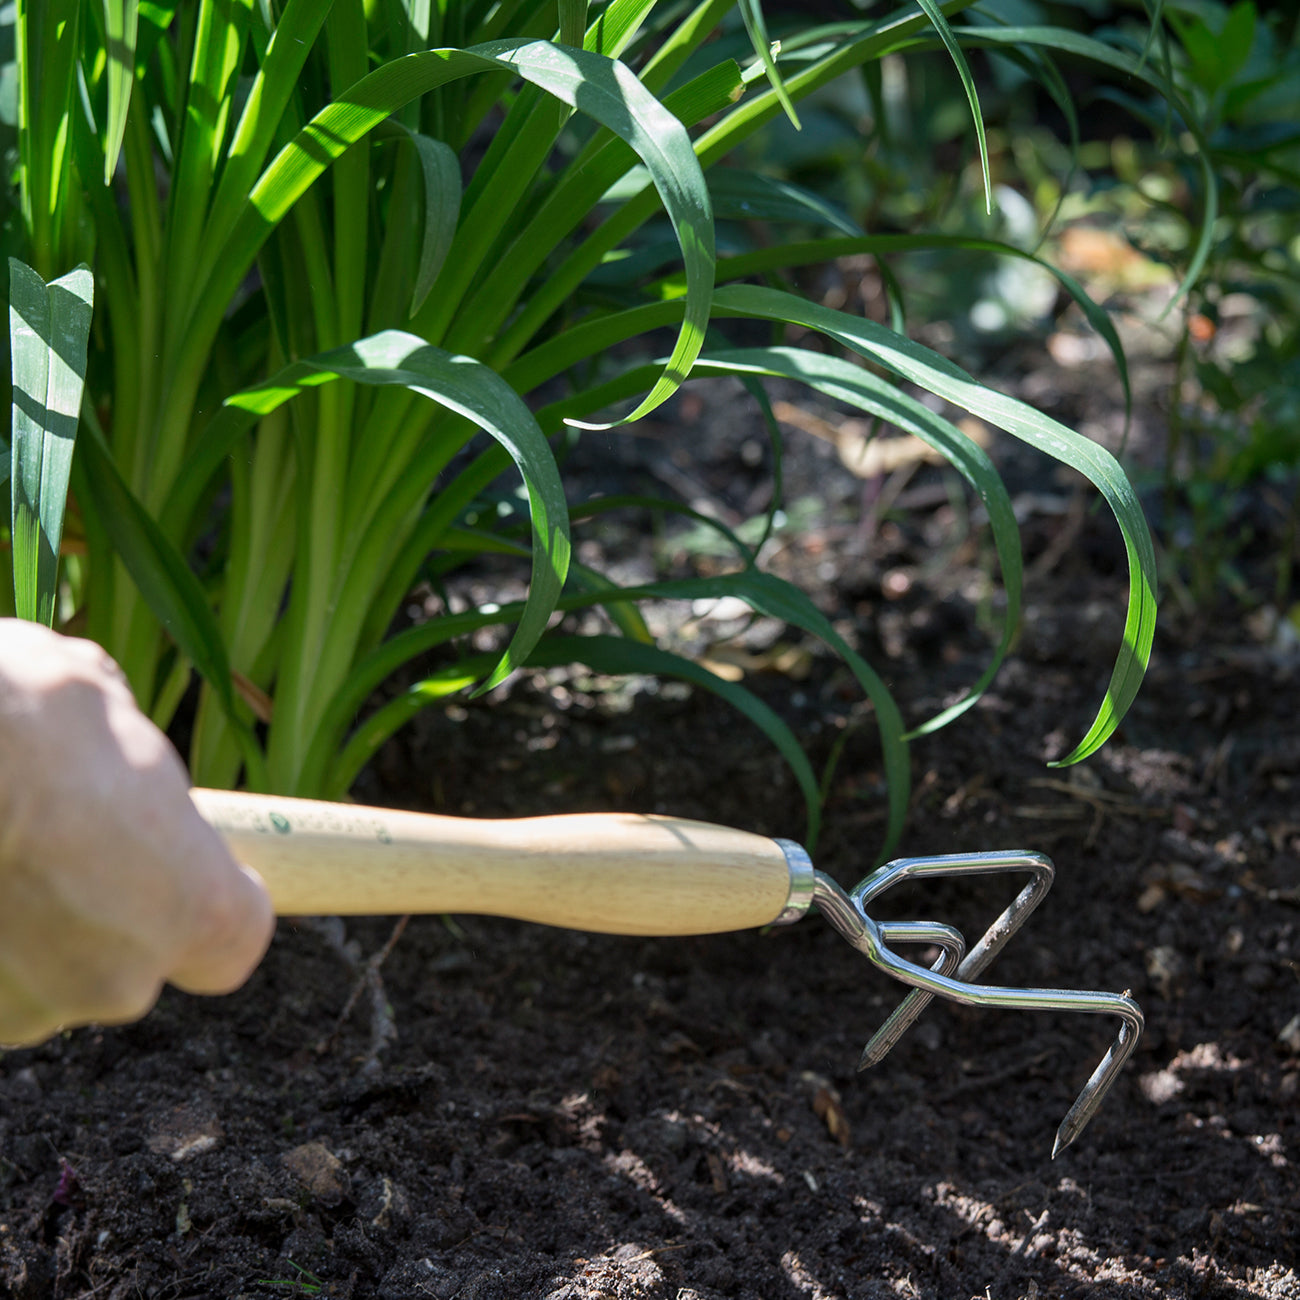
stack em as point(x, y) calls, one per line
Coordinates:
point(306, 1283)
point(49, 329)
point(307, 321)
point(1240, 338)
point(1230, 74)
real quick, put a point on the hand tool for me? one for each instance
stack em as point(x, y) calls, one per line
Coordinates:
point(625, 873)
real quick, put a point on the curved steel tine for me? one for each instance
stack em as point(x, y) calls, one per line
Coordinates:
point(847, 916)
point(995, 938)
point(952, 948)
point(1094, 1091)
point(946, 937)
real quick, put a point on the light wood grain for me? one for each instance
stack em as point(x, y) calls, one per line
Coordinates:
point(614, 873)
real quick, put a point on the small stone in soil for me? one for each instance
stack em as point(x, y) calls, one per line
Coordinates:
point(320, 1171)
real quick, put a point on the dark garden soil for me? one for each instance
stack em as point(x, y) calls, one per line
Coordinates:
point(574, 1116)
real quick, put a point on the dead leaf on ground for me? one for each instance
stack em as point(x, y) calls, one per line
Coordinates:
point(731, 663)
point(1106, 256)
point(1175, 880)
point(826, 1106)
point(868, 454)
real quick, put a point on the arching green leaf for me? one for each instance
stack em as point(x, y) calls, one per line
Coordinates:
point(169, 587)
point(935, 14)
point(913, 362)
point(440, 170)
point(810, 252)
point(466, 386)
point(602, 88)
point(841, 380)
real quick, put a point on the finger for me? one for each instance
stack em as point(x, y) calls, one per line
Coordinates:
point(95, 975)
point(26, 1033)
point(24, 1021)
point(121, 1003)
point(232, 929)
point(92, 654)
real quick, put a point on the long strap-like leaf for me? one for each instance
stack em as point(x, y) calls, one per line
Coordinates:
point(49, 327)
point(602, 88)
point(469, 388)
point(920, 365)
point(121, 21)
point(763, 592)
point(841, 379)
point(913, 362)
point(936, 15)
point(812, 252)
point(167, 583)
point(46, 45)
point(1067, 42)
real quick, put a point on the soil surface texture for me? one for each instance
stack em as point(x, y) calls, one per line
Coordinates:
point(509, 1111)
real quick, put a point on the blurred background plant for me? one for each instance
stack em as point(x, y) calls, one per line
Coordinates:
point(356, 261)
point(1232, 471)
point(1164, 167)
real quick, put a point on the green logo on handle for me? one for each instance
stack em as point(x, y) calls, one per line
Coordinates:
point(280, 823)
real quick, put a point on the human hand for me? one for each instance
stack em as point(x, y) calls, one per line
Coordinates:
point(110, 881)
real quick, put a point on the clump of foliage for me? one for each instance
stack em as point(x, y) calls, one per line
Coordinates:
point(355, 261)
point(1238, 71)
point(1220, 215)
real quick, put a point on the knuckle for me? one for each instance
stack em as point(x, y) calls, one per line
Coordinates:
point(120, 996)
point(214, 915)
point(231, 926)
point(93, 653)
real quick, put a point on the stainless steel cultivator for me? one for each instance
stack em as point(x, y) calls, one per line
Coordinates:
point(619, 873)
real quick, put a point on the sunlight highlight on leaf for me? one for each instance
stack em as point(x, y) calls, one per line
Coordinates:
point(49, 329)
point(602, 88)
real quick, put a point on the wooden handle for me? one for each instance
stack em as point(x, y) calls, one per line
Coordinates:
point(614, 873)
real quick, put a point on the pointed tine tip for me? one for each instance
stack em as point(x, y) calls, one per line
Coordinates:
point(870, 1056)
point(1071, 1126)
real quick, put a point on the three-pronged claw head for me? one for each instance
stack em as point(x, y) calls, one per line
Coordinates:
point(848, 914)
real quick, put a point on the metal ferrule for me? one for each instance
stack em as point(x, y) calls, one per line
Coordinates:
point(803, 882)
